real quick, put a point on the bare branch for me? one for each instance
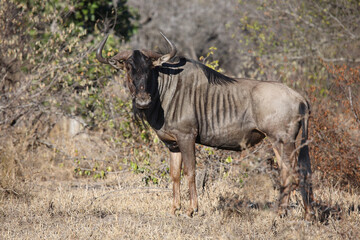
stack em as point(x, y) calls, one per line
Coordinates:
point(341, 59)
point(353, 36)
point(352, 106)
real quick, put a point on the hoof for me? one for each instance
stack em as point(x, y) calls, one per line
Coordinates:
point(175, 211)
point(191, 212)
point(309, 216)
point(282, 213)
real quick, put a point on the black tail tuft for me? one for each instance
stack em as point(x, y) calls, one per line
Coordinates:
point(304, 163)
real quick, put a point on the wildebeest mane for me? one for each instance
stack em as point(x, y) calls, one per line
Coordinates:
point(214, 77)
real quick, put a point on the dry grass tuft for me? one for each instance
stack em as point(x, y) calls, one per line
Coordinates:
point(10, 171)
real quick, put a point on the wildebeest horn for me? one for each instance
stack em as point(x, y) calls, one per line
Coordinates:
point(173, 48)
point(159, 57)
point(164, 58)
point(121, 56)
point(99, 56)
point(151, 54)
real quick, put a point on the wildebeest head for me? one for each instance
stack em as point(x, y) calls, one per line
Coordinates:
point(138, 65)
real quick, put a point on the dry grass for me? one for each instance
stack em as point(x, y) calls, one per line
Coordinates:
point(121, 207)
point(41, 198)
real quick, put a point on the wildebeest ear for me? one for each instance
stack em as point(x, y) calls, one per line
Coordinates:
point(118, 64)
point(161, 60)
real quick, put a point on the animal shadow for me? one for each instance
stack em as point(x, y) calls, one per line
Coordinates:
point(234, 206)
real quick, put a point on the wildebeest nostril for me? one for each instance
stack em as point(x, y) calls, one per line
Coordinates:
point(142, 100)
point(143, 95)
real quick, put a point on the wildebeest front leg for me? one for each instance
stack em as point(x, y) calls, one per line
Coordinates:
point(187, 148)
point(175, 170)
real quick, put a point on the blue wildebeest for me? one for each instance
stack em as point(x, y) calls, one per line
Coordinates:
point(185, 102)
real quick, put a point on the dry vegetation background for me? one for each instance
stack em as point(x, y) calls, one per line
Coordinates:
point(74, 164)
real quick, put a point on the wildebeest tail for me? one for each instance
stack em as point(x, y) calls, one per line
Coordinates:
point(304, 111)
point(304, 163)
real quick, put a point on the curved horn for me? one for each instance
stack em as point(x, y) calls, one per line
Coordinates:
point(112, 61)
point(99, 56)
point(156, 55)
point(151, 54)
point(123, 55)
point(164, 58)
point(173, 48)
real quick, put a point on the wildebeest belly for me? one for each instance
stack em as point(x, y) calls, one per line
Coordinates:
point(230, 136)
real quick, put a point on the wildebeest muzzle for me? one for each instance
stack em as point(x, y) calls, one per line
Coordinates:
point(142, 100)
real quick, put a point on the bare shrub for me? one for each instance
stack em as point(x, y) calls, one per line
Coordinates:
point(48, 72)
point(335, 127)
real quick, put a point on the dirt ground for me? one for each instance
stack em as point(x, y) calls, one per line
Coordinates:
point(122, 207)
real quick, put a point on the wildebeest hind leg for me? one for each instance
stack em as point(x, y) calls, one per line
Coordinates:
point(175, 170)
point(288, 175)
